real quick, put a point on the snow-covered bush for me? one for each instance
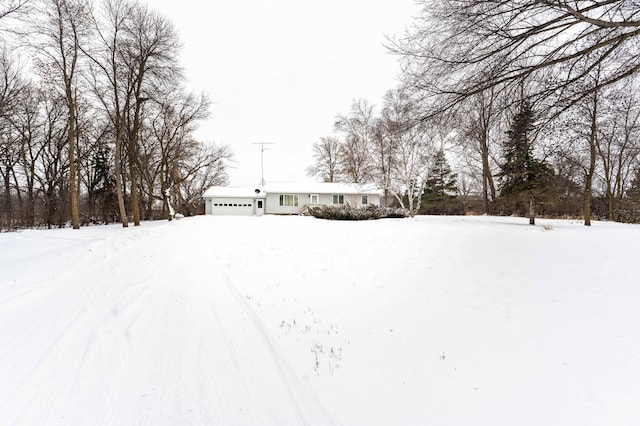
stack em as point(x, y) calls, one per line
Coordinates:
point(347, 212)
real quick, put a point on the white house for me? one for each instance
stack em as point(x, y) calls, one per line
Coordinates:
point(286, 198)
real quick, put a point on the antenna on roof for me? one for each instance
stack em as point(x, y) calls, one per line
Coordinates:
point(262, 150)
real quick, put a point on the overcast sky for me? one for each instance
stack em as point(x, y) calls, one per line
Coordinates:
point(279, 71)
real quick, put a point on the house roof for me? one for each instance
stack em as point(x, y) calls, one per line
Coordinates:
point(233, 192)
point(320, 188)
point(292, 188)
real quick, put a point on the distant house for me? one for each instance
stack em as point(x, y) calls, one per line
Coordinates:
point(286, 198)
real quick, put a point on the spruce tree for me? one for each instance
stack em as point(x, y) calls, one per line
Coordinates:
point(523, 176)
point(104, 183)
point(441, 187)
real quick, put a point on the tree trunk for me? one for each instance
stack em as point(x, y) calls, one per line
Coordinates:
point(488, 187)
point(610, 208)
point(135, 202)
point(133, 153)
point(587, 197)
point(71, 139)
point(133, 168)
point(532, 209)
point(485, 192)
point(31, 212)
point(7, 200)
point(593, 148)
point(118, 173)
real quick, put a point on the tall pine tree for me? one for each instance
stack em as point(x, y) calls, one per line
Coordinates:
point(440, 188)
point(524, 178)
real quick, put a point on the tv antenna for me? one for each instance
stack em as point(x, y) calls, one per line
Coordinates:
point(262, 150)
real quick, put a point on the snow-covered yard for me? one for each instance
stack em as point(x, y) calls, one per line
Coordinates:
point(294, 320)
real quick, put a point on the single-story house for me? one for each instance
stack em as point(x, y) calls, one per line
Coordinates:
point(286, 198)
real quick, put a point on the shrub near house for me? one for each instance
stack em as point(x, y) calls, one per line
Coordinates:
point(354, 213)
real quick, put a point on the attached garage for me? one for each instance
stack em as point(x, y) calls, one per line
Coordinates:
point(234, 201)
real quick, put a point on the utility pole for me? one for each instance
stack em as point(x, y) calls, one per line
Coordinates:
point(262, 150)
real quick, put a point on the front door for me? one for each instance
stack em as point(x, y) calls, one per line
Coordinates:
point(259, 207)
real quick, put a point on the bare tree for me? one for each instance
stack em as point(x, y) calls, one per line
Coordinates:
point(12, 7)
point(173, 155)
point(479, 120)
point(10, 82)
point(28, 122)
point(460, 48)
point(53, 163)
point(205, 168)
point(581, 149)
point(152, 65)
point(384, 149)
point(325, 155)
point(413, 146)
point(357, 129)
point(9, 159)
point(57, 142)
point(110, 79)
point(61, 27)
point(618, 145)
point(135, 59)
point(11, 87)
point(393, 150)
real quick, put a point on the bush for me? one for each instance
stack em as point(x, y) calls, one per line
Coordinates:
point(347, 212)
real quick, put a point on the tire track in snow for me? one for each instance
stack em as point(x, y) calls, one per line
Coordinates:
point(64, 311)
point(152, 340)
point(294, 388)
point(263, 371)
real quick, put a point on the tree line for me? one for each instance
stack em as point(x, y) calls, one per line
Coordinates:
point(96, 124)
point(533, 103)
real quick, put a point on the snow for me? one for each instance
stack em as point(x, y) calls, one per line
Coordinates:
point(322, 188)
point(292, 188)
point(232, 192)
point(295, 320)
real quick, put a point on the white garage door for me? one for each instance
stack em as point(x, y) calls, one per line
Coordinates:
point(232, 206)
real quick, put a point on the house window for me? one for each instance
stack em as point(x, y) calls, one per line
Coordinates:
point(289, 200)
point(338, 199)
point(365, 200)
point(314, 199)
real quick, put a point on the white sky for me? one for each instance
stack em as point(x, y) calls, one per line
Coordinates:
point(279, 71)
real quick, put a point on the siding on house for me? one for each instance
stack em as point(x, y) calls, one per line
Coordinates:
point(304, 199)
point(237, 200)
point(274, 207)
point(354, 200)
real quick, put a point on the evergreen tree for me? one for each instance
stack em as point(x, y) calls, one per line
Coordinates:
point(103, 185)
point(524, 178)
point(441, 188)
